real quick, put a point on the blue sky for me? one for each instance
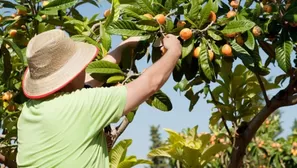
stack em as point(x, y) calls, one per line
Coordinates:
point(179, 117)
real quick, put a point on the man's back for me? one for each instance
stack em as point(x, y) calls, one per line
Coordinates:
point(67, 130)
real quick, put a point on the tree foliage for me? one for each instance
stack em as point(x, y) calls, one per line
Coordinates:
point(222, 46)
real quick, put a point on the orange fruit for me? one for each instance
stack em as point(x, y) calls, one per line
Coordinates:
point(287, 5)
point(267, 122)
point(293, 24)
point(106, 13)
point(267, 8)
point(43, 17)
point(163, 50)
point(23, 27)
point(44, 3)
point(231, 35)
point(161, 19)
point(256, 31)
point(231, 14)
point(149, 16)
point(180, 24)
point(185, 33)
point(11, 107)
point(7, 96)
point(212, 16)
point(12, 32)
point(196, 52)
point(210, 55)
point(227, 50)
point(234, 4)
point(239, 40)
point(21, 12)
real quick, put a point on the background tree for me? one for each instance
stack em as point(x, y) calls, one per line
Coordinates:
point(158, 162)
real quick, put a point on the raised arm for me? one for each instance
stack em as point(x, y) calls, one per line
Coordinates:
point(114, 56)
point(155, 76)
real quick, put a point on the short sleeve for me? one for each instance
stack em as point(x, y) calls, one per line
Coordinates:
point(104, 105)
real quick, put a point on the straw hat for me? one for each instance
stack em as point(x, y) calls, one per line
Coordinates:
point(54, 60)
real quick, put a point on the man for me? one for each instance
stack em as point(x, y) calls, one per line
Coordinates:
point(62, 125)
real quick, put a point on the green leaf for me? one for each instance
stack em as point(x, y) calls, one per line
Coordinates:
point(214, 48)
point(156, 54)
point(7, 4)
point(130, 116)
point(214, 119)
point(283, 52)
point(291, 14)
point(148, 25)
point(105, 38)
point(213, 35)
point(250, 42)
point(193, 98)
point(161, 151)
point(182, 85)
point(125, 28)
point(133, 161)
point(194, 11)
point(174, 137)
point(187, 47)
point(132, 10)
point(240, 52)
point(177, 72)
point(7, 66)
point(204, 14)
point(238, 26)
point(103, 67)
point(191, 21)
point(205, 63)
point(210, 152)
point(115, 79)
point(160, 101)
point(84, 38)
point(146, 6)
point(1, 41)
point(60, 4)
point(114, 13)
point(118, 153)
point(169, 4)
point(17, 50)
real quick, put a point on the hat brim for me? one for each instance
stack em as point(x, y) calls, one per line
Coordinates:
point(37, 89)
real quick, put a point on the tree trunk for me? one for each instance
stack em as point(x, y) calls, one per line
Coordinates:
point(238, 153)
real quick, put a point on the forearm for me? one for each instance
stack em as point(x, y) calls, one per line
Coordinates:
point(160, 71)
point(115, 55)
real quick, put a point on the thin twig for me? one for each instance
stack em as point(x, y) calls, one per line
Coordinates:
point(121, 128)
point(206, 28)
point(223, 118)
point(263, 90)
point(171, 13)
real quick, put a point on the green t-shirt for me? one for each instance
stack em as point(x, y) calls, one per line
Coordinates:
point(67, 131)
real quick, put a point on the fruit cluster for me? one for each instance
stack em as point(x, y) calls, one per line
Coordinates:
point(6, 98)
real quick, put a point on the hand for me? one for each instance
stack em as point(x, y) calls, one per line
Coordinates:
point(131, 41)
point(170, 42)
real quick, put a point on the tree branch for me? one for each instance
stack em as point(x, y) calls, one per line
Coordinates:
point(292, 100)
point(263, 90)
point(7, 162)
point(285, 97)
point(223, 118)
